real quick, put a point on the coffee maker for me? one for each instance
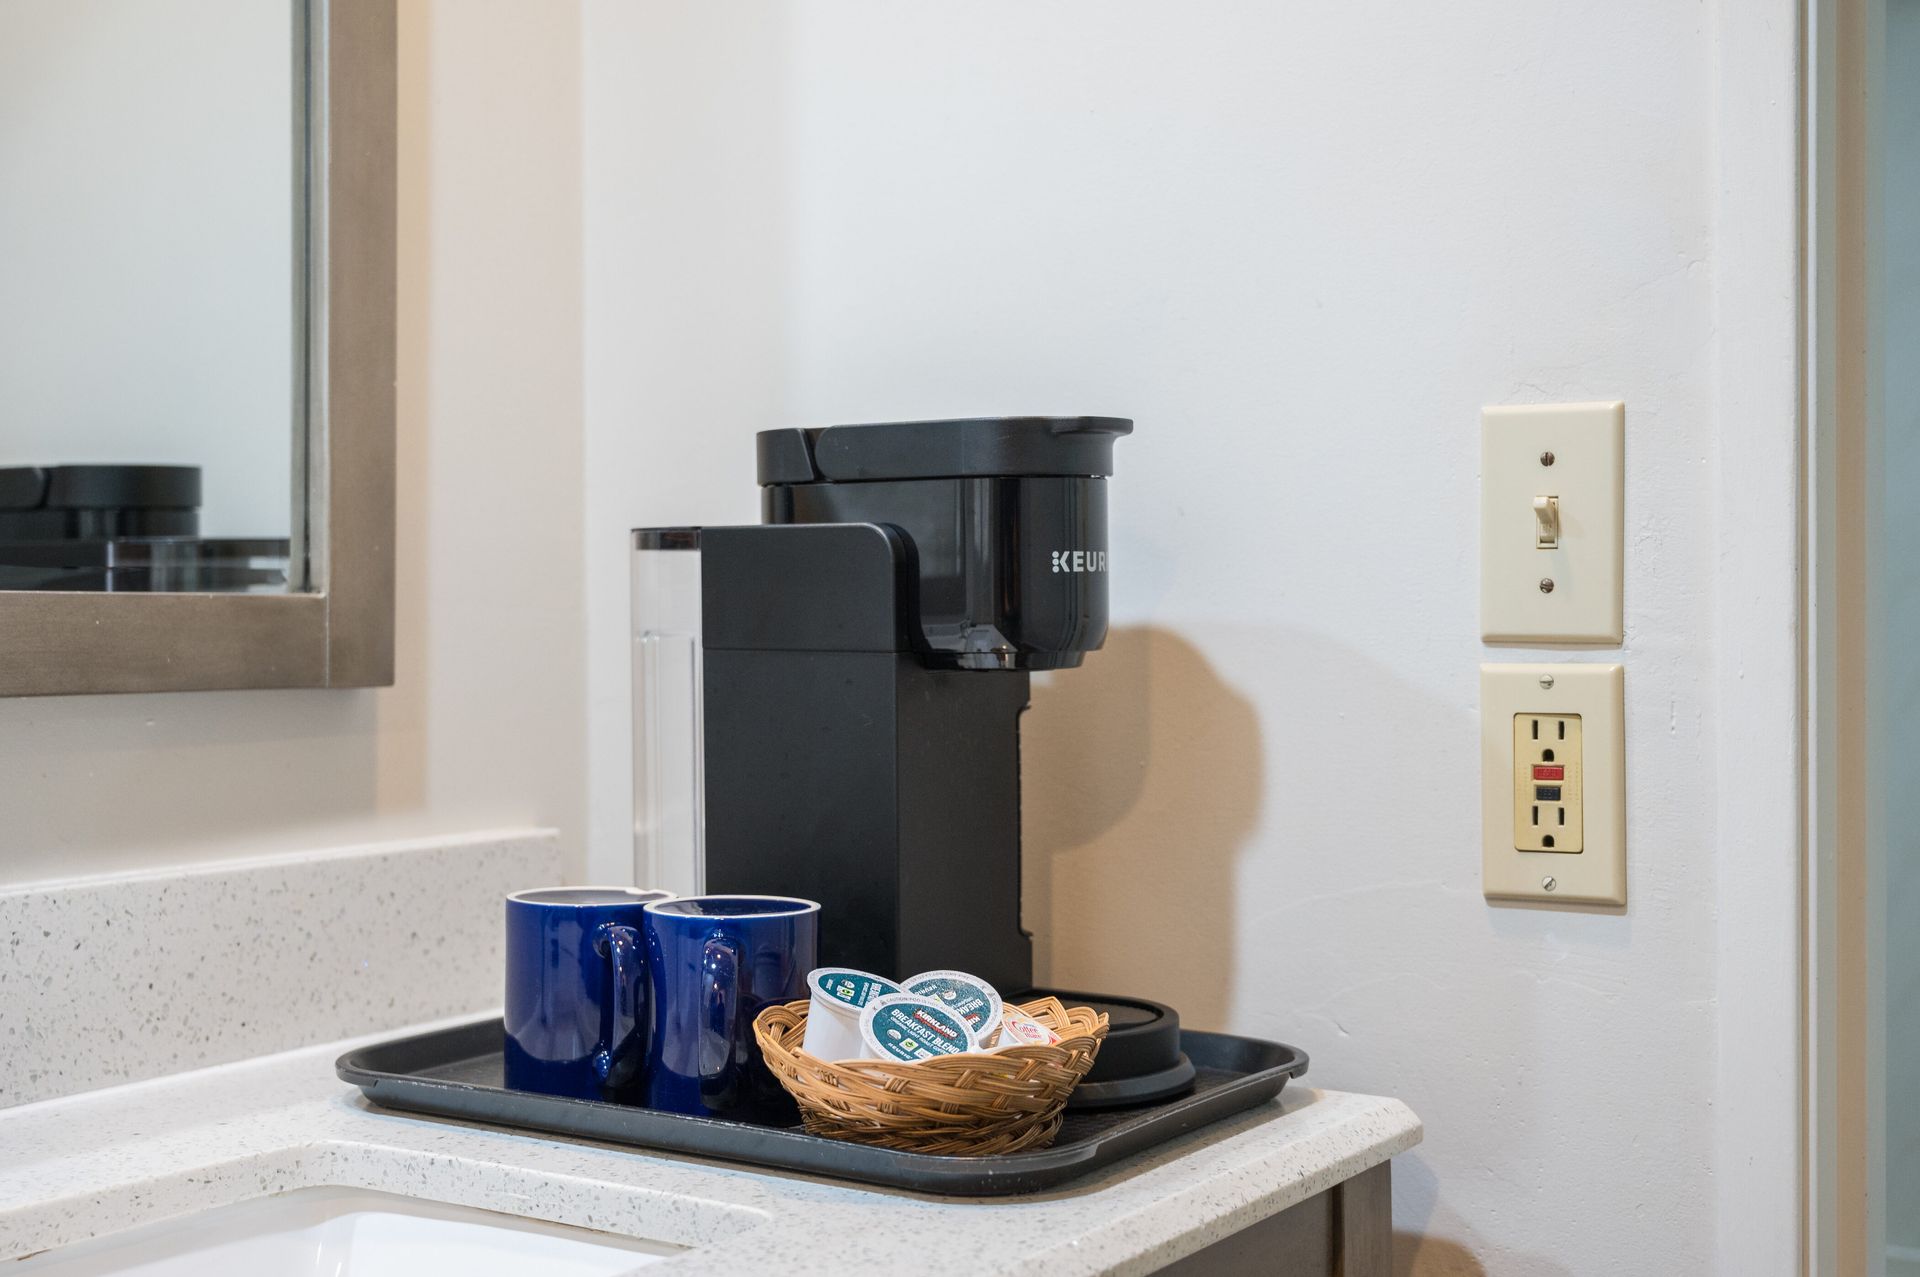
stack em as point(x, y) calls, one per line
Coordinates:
point(828, 703)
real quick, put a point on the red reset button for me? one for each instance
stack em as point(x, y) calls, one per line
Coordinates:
point(1549, 773)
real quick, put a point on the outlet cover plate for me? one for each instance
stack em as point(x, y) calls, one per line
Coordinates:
point(1597, 874)
point(1588, 444)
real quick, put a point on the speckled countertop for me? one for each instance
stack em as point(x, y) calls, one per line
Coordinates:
point(114, 1159)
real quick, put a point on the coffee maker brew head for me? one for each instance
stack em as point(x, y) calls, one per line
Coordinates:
point(1005, 518)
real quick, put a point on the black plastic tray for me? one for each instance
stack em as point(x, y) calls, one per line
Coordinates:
point(458, 1073)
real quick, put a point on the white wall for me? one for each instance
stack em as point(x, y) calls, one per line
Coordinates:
point(147, 219)
point(1300, 245)
point(482, 728)
point(686, 338)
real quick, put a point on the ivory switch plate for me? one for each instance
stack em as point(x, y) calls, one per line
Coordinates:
point(1545, 836)
point(1556, 521)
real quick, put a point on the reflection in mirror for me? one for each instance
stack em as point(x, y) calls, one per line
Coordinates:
point(153, 252)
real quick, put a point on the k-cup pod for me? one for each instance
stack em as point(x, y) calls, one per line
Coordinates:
point(838, 995)
point(969, 995)
point(1017, 1028)
point(901, 1026)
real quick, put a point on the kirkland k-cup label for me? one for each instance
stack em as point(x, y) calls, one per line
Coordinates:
point(958, 991)
point(903, 1027)
point(850, 988)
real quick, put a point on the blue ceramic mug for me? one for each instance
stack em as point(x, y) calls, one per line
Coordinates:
point(576, 1021)
point(713, 963)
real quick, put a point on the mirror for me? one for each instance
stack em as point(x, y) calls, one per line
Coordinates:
point(197, 239)
point(153, 242)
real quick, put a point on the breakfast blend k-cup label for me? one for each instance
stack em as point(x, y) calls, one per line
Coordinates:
point(910, 1028)
point(960, 992)
point(851, 988)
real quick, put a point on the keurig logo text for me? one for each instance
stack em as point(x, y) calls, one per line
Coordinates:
point(1079, 560)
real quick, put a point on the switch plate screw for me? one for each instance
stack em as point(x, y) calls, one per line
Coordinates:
point(1546, 682)
point(1546, 458)
point(1548, 883)
point(1546, 585)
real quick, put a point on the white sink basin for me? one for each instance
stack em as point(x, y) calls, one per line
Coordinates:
point(342, 1232)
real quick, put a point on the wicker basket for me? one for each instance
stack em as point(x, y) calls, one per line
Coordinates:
point(973, 1104)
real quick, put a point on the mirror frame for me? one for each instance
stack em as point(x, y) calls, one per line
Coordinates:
point(339, 631)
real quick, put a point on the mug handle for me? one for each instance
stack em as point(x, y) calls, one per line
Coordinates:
point(720, 969)
point(621, 1052)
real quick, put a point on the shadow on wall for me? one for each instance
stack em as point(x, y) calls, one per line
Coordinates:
point(1115, 847)
point(1416, 1203)
point(401, 740)
point(1418, 1256)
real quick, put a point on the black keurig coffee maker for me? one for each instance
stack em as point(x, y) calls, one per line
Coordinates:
point(828, 703)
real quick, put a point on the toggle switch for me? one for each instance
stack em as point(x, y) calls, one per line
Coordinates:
point(1546, 523)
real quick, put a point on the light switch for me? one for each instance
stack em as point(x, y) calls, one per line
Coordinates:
point(1546, 520)
point(1553, 783)
point(1551, 515)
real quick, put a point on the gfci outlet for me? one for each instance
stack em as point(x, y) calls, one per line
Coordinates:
point(1547, 783)
point(1553, 783)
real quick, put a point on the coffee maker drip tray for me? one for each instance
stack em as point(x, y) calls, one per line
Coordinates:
point(459, 1073)
point(1140, 1062)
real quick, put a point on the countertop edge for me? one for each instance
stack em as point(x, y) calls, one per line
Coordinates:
point(122, 1157)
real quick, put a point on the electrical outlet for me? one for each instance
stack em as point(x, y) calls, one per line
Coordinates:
point(1553, 777)
point(1547, 784)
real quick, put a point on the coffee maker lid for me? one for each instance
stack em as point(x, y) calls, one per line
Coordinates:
point(963, 447)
